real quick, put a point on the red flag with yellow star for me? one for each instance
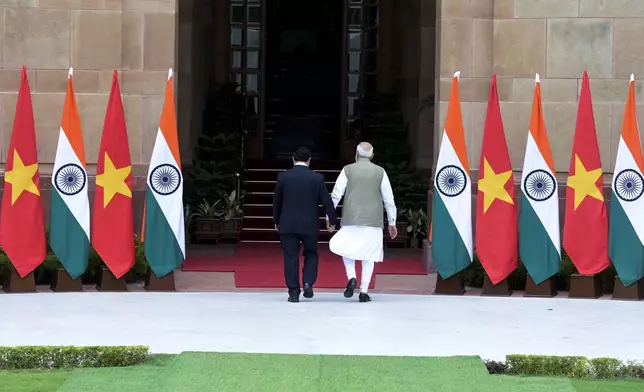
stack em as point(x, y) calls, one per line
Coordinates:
point(112, 224)
point(496, 214)
point(22, 223)
point(585, 236)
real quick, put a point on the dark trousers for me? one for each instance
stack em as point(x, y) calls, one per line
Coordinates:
point(291, 248)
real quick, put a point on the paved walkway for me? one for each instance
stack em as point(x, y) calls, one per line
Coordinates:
point(265, 322)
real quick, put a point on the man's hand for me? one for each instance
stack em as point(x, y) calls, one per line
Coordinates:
point(393, 231)
point(330, 227)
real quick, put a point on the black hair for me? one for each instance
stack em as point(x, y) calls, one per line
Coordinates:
point(302, 154)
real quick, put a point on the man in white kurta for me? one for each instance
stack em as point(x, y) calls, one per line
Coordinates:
point(365, 187)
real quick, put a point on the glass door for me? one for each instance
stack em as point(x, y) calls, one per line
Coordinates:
point(362, 20)
point(359, 62)
point(246, 66)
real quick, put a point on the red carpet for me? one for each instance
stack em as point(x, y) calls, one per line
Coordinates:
point(262, 266)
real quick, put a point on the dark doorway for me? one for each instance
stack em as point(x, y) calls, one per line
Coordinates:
point(303, 77)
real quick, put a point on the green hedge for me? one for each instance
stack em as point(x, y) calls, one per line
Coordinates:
point(474, 274)
point(567, 366)
point(61, 357)
point(45, 272)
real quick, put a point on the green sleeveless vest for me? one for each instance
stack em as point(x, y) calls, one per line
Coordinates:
point(362, 204)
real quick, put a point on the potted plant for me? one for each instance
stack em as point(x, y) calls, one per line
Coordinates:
point(230, 214)
point(206, 221)
point(416, 226)
point(188, 220)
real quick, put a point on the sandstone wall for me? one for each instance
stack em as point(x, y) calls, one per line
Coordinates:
point(137, 37)
point(557, 39)
point(95, 37)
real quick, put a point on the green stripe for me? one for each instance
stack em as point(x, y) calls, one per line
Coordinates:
point(536, 250)
point(448, 249)
point(67, 237)
point(624, 246)
point(161, 248)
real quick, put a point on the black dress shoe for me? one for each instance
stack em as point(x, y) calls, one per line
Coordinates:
point(308, 291)
point(364, 297)
point(348, 292)
point(294, 296)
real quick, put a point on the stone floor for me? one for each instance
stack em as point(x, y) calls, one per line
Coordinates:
point(414, 325)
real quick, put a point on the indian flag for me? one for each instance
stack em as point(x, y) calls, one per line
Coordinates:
point(539, 237)
point(451, 232)
point(626, 234)
point(69, 221)
point(164, 236)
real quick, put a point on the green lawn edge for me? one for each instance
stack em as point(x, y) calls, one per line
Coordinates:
point(238, 372)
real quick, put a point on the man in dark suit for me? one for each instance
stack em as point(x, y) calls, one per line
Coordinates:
point(298, 193)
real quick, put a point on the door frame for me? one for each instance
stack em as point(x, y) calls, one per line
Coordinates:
point(255, 144)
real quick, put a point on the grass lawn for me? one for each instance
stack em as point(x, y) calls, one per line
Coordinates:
point(204, 372)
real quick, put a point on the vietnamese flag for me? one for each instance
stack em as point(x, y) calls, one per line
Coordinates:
point(22, 223)
point(112, 224)
point(496, 214)
point(585, 236)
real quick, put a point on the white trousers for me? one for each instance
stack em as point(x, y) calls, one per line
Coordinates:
point(367, 272)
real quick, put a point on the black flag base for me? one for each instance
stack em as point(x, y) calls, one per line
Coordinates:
point(13, 283)
point(454, 285)
point(63, 283)
point(501, 289)
point(545, 289)
point(634, 292)
point(109, 282)
point(585, 286)
point(152, 283)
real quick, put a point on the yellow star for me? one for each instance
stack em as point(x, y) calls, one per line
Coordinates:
point(112, 180)
point(584, 183)
point(21, 178)
point(493, 186)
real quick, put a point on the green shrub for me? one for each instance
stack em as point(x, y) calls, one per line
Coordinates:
point(632, 369)
point(605, 367)
point(45, 272)
point(542, 365)
point(60, 357)
point(474, 273)
point(571, 367)
point(95, 265)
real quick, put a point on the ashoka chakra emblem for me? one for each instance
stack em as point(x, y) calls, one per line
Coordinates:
point(628, 185)
point(70, 179)
point(539, 185)
point(451, 180)
point(165, 179)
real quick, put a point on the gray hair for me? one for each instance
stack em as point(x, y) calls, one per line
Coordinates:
point(364, 150)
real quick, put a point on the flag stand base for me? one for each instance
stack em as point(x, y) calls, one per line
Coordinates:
point(545, 289)
point(109, 282)
point(13, 283)
point(634, 292)
point(152, 283)
point(585, 286)
point(501, 289)
point(62, 282)
point(454, 285)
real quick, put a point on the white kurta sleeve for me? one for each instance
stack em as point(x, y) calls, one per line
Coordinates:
point(388, 199)
point(338, 189)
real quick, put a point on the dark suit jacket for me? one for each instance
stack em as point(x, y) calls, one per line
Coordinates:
point(298, 193)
